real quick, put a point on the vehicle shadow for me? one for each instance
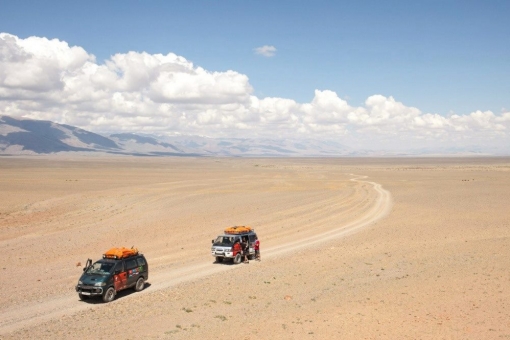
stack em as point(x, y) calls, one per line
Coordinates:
point(225, 263)
point(229, 263)
point(95, 300)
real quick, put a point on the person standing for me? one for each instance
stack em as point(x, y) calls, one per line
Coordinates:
point(256, 246)
point(246, 249)
point(237, 248)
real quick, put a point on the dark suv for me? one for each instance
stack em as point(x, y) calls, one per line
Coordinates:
point(108, 276)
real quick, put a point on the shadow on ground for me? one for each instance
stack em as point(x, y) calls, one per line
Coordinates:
point(123, 293)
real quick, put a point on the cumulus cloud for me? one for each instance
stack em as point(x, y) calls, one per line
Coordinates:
point(266, 50)
point(157, 93)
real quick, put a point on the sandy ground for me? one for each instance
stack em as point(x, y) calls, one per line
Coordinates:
point(351, 248)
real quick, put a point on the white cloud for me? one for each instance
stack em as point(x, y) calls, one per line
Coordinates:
point(266, 50)
point(37, 64)
point(141, 92)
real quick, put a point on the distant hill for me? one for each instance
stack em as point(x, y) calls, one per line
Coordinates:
point(25, 136)
point(260, 147)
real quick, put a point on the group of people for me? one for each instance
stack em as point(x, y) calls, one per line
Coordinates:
point(245, 248)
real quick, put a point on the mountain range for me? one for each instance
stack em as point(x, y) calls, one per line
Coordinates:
point(35, 137)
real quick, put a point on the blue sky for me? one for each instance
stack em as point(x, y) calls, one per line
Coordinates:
point(441, 57)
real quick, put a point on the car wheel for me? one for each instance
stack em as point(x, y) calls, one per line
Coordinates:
point(237, 259)
point(83, 297)
point(109, 295)
point(219, 259)
point(140, 284)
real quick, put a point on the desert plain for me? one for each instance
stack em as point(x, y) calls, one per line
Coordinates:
point(352, 248)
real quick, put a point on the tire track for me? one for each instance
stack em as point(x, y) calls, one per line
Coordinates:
point(381, 208)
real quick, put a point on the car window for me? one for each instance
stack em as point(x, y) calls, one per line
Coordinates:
point(225, 241)
point(252, 238)
point(119, 266)
point(130, 264)
point(141, 261)
point(100, 268)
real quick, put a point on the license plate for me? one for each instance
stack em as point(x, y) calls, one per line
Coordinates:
point(85, 293)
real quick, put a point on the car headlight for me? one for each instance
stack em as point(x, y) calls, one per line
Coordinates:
point(80, 283)
point(100, 284)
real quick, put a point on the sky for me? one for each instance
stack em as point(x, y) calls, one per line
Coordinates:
point(369, 74)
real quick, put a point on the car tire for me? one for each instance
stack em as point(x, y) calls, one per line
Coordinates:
point(237, 259)
point(140, 284)
point(83, 297)
point(219, 259)
point(109, 295)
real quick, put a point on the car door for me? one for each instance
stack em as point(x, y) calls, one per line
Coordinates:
point(143, 267)
point(119, 276)
point(252, 243)
point(132, 271)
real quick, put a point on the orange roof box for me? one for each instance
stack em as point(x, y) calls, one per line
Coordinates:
point(241, 229)
point(120, 253)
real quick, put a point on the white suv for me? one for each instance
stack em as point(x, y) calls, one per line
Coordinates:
point(228, 245)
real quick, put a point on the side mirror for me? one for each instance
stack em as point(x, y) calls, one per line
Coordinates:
point(84, 269)
point(212, 241)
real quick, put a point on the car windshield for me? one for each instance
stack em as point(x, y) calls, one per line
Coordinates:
point(100, 268)
point(225, 241)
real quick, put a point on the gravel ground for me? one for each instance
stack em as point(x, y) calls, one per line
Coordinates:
point(351, 248)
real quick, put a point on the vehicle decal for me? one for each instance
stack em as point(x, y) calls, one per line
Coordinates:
point(119, 281)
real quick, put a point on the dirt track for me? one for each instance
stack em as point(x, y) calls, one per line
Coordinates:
point(302, 210)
